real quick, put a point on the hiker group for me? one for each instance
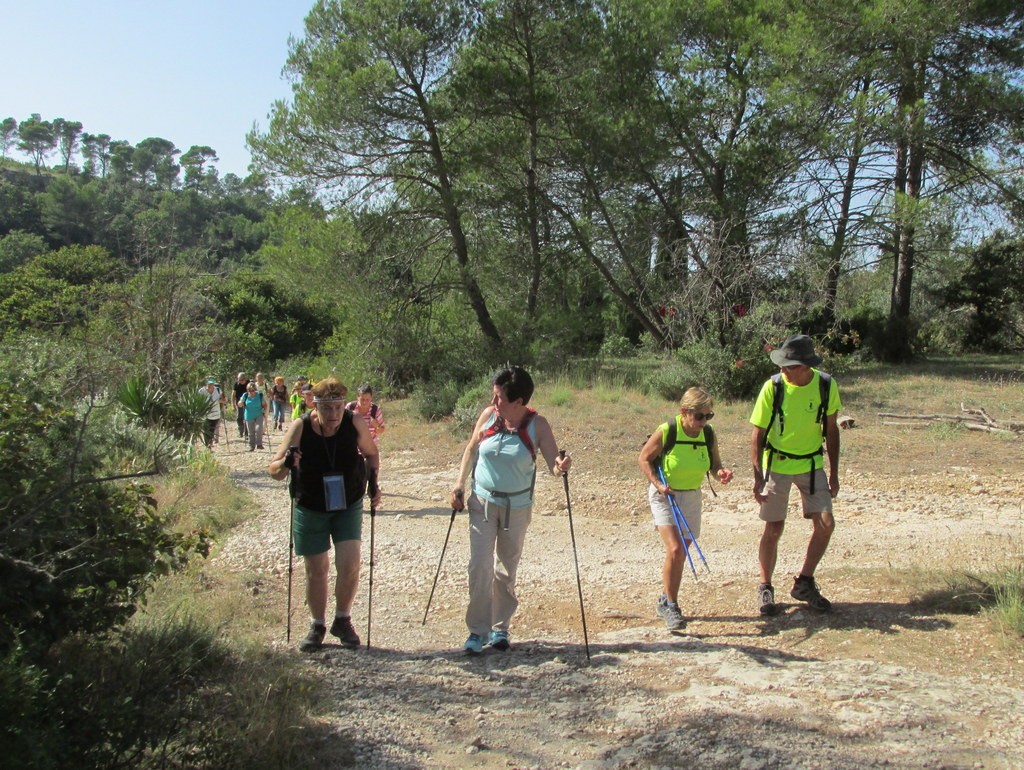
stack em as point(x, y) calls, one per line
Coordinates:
point(332, 461)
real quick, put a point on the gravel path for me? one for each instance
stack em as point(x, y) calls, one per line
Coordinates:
point(880, 682)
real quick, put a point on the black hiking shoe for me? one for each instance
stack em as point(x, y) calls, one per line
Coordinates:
point(314, 639)
point(342, 628)
point(669, 612)
point(766, 600)
point(805, 590)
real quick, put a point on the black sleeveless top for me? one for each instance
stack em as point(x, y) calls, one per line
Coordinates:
point(317, 455)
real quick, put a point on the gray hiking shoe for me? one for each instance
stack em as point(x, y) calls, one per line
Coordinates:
point(766, 600)
point(806, 590)
point(314, 639)
point(342, 628)
point(669, 612)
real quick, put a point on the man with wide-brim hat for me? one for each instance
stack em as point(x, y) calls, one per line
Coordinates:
point(794, 421)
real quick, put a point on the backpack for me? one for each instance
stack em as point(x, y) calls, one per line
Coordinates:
point(524, 434)
point(824, 388)
point(671, 440)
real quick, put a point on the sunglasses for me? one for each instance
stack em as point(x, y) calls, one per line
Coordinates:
point(702, 415)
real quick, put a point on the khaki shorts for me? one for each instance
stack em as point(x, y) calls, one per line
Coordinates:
point(778, 487)
point(689, 502)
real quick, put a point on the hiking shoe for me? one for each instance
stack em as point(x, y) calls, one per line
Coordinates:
point(499, 641)
point(474, 645)
point(669, 612)
point(805, 590)
point(342, 628)
point(314, 639)
point(766, 600)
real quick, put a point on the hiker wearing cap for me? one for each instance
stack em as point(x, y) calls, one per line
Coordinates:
point(213, 415)
point(794, 420)
point(297, 400)
point(253, 406)
point(330, 474)
point(683, 450)
point(501, 456)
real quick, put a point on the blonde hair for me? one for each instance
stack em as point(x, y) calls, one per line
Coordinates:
point(696, 399)
point(279, 380)
point(330, 387)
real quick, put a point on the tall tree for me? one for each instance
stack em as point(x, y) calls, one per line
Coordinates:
point(8, 133)
point(36, 138)
point(67, 133)
point(368, 116)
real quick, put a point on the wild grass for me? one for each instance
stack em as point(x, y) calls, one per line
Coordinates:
point(996, 593)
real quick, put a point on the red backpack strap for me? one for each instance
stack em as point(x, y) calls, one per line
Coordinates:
point(523, 431)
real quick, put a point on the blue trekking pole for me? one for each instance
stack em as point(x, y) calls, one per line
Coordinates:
point(677, 514)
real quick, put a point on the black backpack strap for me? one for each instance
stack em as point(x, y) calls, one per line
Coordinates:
point(824, 391)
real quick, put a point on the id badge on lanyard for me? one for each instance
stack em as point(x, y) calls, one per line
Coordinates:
point(334, 492)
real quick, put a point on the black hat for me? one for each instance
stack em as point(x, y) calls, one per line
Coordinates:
point(796, 350)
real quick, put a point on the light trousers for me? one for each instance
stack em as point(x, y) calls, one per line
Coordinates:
point(494, 554)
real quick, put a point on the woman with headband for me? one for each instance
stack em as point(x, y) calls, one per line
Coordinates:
point(322, 450)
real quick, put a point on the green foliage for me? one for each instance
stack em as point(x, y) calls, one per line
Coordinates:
point(180, 413)
point(166, 694)
point(469, 405)
point(19, 247)
point(436, 399)
point(76, 553)
point(991, 290)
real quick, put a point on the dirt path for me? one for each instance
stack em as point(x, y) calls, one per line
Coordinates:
point(881, 681)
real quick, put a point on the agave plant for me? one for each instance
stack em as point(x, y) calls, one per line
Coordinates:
point(181, 414)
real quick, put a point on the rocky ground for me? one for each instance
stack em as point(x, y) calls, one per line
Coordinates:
point(882, 681)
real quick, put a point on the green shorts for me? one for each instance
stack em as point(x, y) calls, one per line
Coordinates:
point(315, 530)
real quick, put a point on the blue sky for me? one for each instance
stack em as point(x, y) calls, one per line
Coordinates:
point(191, 72)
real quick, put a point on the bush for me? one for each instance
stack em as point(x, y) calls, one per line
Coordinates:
point(169, 694)
point(470, 404)
point(76, 553)
point(434, 400)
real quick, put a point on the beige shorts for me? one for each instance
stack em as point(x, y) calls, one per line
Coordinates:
point(778, 487)
point(689, 502)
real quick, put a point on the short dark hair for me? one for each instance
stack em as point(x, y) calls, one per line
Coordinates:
point(364, 389)
point(516, 383)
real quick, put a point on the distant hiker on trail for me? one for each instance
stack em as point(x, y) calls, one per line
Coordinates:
point(278, 401)
point(213, 415)
point(253, 406)
point(501, 456)
point(241, 383)
point(365, 407)
point(331, 484)
point(786, 450)
point(297, 400)
point(684, 450)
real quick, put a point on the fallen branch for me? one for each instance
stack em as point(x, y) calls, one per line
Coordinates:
point(972, 418)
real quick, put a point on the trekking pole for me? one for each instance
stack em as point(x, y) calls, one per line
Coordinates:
point(373, 518)
point(575, 558)
point(677, 515)
point(291, 550)
point(439, 562)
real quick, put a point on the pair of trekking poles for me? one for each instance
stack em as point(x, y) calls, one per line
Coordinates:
point(681, 523)
point(575, 558)
point(372, 485)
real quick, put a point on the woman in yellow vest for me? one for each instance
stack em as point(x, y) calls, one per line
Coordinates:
point(691, 452)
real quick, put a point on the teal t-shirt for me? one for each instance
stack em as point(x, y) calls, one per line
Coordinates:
point(253, 406)
point(799, 433)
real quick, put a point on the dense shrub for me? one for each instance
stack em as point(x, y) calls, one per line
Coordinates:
point(76, 553)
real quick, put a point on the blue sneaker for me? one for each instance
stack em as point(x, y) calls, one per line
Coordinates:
point(474, 645)
point(499, 641)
